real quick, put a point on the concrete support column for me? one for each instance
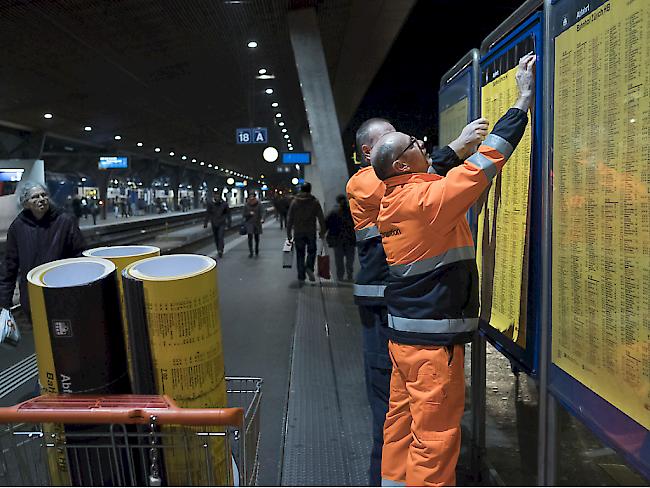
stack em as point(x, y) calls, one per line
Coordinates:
point(328, 154)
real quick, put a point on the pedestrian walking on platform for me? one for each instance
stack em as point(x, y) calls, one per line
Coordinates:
point(253, 220)
point(340, 237)
point(39, 234)
point(305, 211)
point(432, 292)
point(217, 212)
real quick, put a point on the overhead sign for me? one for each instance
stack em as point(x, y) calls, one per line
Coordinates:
point(296, 158)
point(252, 135)
point(113, 162)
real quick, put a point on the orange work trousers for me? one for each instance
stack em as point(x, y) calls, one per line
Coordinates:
point(422, 427)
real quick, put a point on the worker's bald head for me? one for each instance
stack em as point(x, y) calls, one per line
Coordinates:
point(386, 151)
point(396, 153)
point(367, 136)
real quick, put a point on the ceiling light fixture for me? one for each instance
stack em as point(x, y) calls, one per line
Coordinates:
point(252, 44)
point(210, 165)
point(286, 136)
point(278, 115)
point(230, 181)
point(194, 160)
point(284, 131)
point(262, 71)
point(157, 149)
point(281, 124)
point(269, 91)
point(139, 144)
point(171, 153)
point(183, 157)
point(202, 163)
point(48, 115)
point(118, 138)
point(275, 104)
point(88, 128)
point(294, 181)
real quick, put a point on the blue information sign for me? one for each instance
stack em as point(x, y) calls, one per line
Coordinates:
point(296, 158)
point(260, 135)
point(243, 136)
point(113, 162)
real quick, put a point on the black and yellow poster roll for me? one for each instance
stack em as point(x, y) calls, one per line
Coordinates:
point(173, 322)
point(77, 335)
point(121, 257)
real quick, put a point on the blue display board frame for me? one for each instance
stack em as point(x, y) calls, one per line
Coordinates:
point(462, 81)
point(525, 359)
point(611, 425)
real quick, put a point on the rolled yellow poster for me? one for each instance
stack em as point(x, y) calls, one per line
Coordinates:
point(175, 332)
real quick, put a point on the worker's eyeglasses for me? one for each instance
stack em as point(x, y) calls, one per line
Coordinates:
point(412, 140)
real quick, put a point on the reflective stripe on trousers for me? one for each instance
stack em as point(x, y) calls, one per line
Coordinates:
point(432, 326)
point(369, 290)
point(434, 262)
point(385, 482)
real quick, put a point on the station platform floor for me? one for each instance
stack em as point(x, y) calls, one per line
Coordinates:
point(305, 342)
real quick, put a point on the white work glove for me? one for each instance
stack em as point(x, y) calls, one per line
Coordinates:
point(9, 333)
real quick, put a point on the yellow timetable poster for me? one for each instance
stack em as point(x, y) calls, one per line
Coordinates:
point(502, 224)
point(452, 120)
point(601, 205)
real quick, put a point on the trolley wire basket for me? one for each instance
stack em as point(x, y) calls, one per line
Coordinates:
point(131, 440)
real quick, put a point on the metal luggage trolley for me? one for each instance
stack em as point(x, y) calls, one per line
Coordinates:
point(131, 440)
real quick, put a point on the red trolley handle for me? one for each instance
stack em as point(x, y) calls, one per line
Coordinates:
point(117, 409)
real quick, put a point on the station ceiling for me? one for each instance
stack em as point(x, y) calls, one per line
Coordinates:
point(177, 74)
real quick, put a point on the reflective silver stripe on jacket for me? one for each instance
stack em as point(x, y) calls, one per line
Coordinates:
point(367, 233)
point(482, 162)
point(500, 144)
point(432, 326)
point(432, 263)
point(485, 164)
point(369, 290)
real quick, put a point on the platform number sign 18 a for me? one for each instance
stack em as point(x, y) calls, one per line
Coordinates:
point(243, 136)
point(254, 135)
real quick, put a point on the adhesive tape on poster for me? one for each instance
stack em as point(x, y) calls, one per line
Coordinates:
point(121, 257)
point(175, 332)
point(77, 335)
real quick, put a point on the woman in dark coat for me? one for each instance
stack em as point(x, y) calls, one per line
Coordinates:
point(253, 219)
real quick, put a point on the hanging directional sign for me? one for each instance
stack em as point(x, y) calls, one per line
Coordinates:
point(260, 135)
point(254, 135)
point(243, 136)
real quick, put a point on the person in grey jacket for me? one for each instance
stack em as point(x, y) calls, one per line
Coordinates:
point(304, 212)
point(253, 219)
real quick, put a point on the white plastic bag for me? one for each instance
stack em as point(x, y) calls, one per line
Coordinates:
point(9, 333)
point(287, 254)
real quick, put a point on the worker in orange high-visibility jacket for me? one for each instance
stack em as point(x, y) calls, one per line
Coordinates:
point(365, 191)
point(432, 291)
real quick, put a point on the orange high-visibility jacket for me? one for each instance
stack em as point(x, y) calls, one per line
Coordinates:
point(365, 192)
point(432, 291)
